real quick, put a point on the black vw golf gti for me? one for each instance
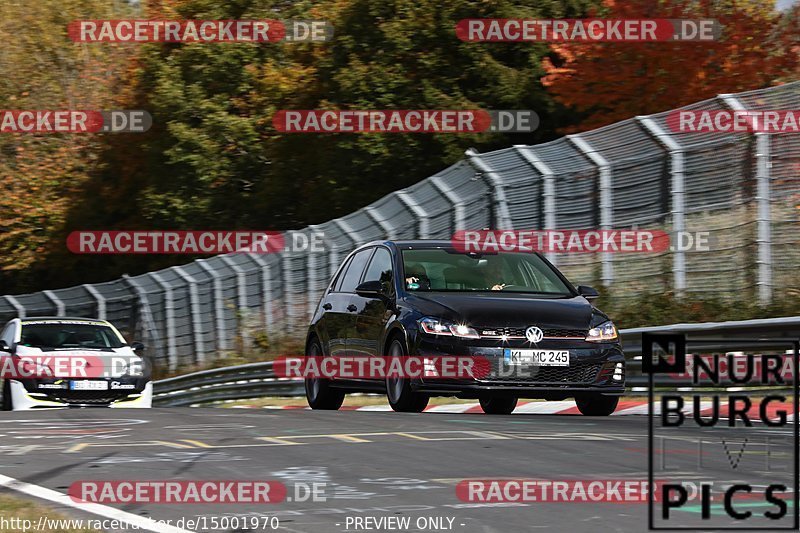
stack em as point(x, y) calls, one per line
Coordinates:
point(541, 336)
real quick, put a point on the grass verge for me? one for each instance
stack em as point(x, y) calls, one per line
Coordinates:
point(22, 512)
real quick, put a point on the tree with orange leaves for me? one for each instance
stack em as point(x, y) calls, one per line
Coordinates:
point(608, 82)
point(41, 175)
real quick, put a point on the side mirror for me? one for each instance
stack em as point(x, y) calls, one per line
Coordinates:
point(137, 346)
point(4, 347)
point(588, 292)
point(370, 289)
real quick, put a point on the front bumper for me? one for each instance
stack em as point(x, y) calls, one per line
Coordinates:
point(29, 394)
point(593, 367)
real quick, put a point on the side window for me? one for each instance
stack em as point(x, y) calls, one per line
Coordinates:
point(354, 271)
point(380, 269)
point(337, 284)
point(8, 334)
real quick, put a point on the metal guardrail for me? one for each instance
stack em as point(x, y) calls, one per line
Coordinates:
point(256, 380)
point(241, 382)
point(720, 336)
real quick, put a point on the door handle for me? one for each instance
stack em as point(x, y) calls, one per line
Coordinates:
point(327, 307)
point(352, 308)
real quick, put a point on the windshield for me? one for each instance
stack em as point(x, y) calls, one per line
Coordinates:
point(444, 270)
point(62, 335)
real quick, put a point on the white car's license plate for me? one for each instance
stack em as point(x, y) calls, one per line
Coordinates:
point(88, 384)
point(536, 357)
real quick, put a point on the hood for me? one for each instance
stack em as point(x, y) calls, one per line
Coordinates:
point(505, 310)
point(110, 363)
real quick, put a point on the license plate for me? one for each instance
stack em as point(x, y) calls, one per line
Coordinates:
point(88, 385)
point(536, 357)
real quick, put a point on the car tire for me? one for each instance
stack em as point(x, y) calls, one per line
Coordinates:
point(319, 393)
point(7, 402)
point(498, 406)
point(402, 398)
point(596, 404)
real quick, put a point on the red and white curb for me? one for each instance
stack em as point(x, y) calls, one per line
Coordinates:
point(566, 407)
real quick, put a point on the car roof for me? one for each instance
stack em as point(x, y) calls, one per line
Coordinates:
point(408, 244)
point(62, 319)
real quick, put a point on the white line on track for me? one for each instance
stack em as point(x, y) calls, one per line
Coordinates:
point(141, 522)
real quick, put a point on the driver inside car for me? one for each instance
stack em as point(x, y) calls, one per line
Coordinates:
point(493, 274)
point(417, 278)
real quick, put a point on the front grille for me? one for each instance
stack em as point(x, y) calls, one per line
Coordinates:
point(87, 397)
point(520, 332)
point(565, 333)
point(578, 374)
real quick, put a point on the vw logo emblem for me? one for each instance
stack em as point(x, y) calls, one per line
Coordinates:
point(534, 334)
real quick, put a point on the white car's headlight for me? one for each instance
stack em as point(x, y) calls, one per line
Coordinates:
point(435, 326)
point(605, 332)
point(128, 366)
point(135, 368)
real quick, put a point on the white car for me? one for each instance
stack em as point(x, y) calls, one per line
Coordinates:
point(48, 362)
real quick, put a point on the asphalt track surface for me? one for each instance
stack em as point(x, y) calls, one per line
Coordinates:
point(379, 464)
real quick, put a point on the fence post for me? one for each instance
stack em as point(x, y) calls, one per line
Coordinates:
point(764, 216)
point(606, 211)
point(388, 229)
point(763, 197)
point(169, 314)
point(219, 310)
point(678, 192)
point(60, 309)
point(16, 305)
point(458, 205)
point(266, 291)
point(144, 305)
point(501, 216)
point(99, 298)
point(349, 231)
point(194, 305)
point(241, 295)
point(289, 294)
point(549, 189)
point(420, 214)
point(311, 282)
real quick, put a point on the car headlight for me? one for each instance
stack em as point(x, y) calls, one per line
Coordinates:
point(132, 367)
point(135, 369)
point(435, 326)
point(605, 332)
